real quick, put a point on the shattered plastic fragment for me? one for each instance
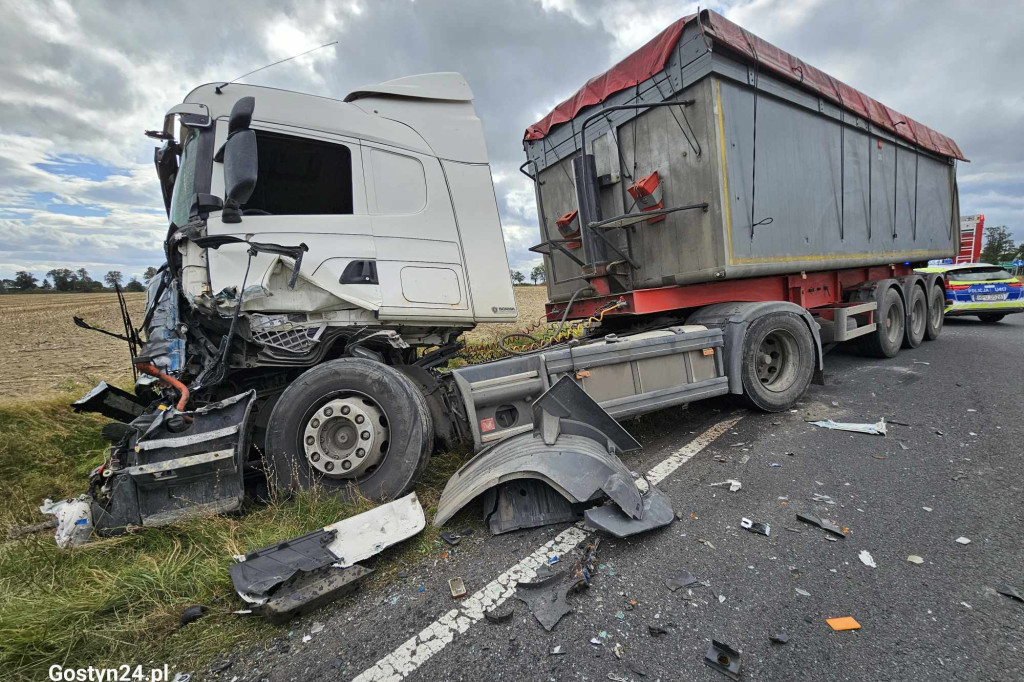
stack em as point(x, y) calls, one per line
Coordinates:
point(596, 641)
point(1011, 592)
point(824, 524)
point(963, 540)
point(844, 623)
point(724, 659)
point(914, 559)
point(779, 638)
point(877, 429)
point(617, 650)
point(557, 651)
point(802, 593)
point(682, 579)
point(457, 587)
point(866, 559)
point(753, 527)
point(733, 484)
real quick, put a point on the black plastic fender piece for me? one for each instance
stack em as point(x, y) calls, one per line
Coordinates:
point(734, 319)
point(578, 468)
point(610, 519)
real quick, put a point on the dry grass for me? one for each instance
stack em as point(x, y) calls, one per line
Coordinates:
point(530, 301)
point(43, 353)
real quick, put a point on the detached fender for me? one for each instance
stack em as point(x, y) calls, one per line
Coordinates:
point(578, 468)
point(735, 318)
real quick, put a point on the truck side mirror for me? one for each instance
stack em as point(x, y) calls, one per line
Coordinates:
point(240, 161)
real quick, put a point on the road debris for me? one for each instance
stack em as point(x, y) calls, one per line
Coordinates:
point(457, 587)
point(866, 559)
point(74, 520)
point(963, 540)
point(774, 464)
point(657, 512)
point(844, 623)
point(820, 497)
point(877, 429)
point(1011, 592)
point(192, 614)
point(451, 538)
point(824, 524)
point(656, 630)
point(546, 596)
point(779, 638)
point(724, 659)
point(680, 580)
point(927, 509)
point(597, 641)
point(733, 484)
point(618, 650)
point(914, 559)
point(755, 527)
point(300, 574)
point(500, 614)
point(558, 650)
point(802, 592)
point(706, 543)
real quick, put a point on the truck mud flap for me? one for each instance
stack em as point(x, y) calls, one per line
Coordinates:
point(609, 518)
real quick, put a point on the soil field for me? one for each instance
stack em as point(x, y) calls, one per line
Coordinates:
point(43, 353)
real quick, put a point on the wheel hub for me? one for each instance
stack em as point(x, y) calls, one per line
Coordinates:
point(776, 360)
point(346, 437)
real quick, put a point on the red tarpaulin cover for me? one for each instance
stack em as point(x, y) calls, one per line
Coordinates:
point(651, 58)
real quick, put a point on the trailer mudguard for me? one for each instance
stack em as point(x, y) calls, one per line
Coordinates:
point(735, 317)
point(579, 468)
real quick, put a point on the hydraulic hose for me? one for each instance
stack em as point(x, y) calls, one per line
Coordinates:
point(151, 370)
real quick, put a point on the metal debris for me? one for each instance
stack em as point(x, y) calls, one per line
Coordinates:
point(724, 659)
point(755, 527)
point(876, 429)
point(866, 559)
point(824, 524)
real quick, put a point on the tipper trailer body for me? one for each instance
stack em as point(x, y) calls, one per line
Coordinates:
point(727, 222)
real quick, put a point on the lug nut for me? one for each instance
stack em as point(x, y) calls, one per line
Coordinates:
point(345, 409)
point(329, 466)
point(360, 419)
point(328, 411)
point(346, 465)
point(360, 453)
point(365, 435)
point(315, 457)
point(310, 440)
point(315, 423)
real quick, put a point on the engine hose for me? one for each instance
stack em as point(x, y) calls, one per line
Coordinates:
point(151, 370)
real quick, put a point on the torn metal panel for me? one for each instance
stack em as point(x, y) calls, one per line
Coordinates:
point(363, 535)
point(724, 659)
point(111, 402)
point(525, 503)
point(263, 569)
point(657, 512)
point(824, 524)
point(578, 468)
point(305, 592)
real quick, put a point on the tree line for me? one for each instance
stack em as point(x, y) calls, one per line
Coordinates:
point(537, 275)
point(65, 280)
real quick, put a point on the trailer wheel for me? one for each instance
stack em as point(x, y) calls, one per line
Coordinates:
point(350, 424)
point(885, 341)
point(991, 318)
point(917, 318)
point(936, 313)
point(778, 361)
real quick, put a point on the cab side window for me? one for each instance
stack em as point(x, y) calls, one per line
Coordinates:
point(300, 176)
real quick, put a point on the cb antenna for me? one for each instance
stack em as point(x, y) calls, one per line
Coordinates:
point(282, 61)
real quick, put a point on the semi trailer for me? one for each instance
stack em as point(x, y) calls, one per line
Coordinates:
point(714, 215)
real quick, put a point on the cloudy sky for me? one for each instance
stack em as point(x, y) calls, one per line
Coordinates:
point(80, 81)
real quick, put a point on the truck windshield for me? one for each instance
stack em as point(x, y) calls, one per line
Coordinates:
point(184, 183)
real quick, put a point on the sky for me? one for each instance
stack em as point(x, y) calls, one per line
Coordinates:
point(80, 82)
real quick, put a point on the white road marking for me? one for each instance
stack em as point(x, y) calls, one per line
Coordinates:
point(418, 649)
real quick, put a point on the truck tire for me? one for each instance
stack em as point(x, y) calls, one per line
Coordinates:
point(350, 426)
point(778, 361)
point(917, 318)
point(885, 341)
point(991, 318)
point(936, 313)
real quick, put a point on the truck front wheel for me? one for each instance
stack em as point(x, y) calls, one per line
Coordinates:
point(350, 424)
point(778, 361)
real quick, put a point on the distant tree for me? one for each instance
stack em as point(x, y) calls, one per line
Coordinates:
point(149, 274)
point(46, 286)
point(999, 245)
point(83, 281)
point(134, 285)
point(8, 285)
point(113, 278)
point(63, 279)
point(25, 280)
point(537, 273)
point(517, 277)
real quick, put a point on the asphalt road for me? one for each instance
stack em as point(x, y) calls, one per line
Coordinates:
point(954, 447)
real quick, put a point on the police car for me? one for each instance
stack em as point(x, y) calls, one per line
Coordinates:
point(988, 291)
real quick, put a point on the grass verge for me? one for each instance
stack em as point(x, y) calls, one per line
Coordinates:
point(119, 600)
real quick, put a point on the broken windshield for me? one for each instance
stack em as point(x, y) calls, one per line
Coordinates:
point(184, 183)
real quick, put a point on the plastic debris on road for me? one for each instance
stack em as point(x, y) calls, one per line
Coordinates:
point(457, 587)
point(963, 540)
point(779, 638)
point(755, 527)
point(914, 559)
point(681, 580)
point(802, 593)
point(733, 484)
point(499, 614)
point(724, 659)
point(876, 429)
point(558, 650)
point(866, 559)
point(844, 623)
point(1011, 592)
